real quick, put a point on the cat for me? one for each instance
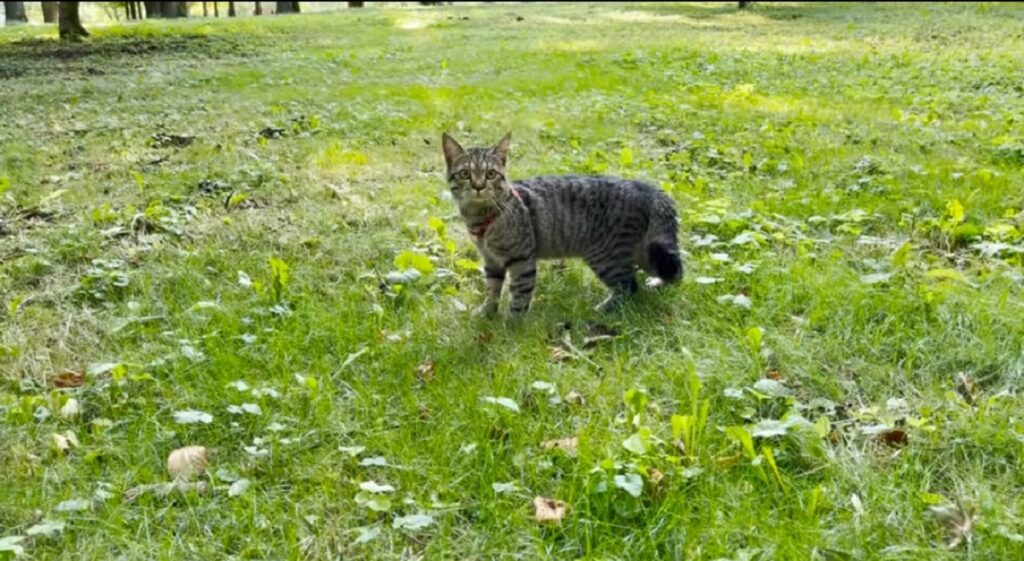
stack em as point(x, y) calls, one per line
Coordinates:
point(614, 224)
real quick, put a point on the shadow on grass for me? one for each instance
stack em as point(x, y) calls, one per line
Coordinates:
point(98, 55)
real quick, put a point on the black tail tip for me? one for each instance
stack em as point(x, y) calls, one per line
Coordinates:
point(666, 261)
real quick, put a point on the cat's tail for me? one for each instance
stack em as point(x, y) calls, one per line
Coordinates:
point(662, 244)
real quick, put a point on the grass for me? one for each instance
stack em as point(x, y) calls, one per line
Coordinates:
point(189, 205)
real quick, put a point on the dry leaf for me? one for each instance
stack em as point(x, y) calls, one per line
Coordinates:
point(424, 412)
point(186, 462)
point(67, 379)
point(658, 481)
point(567, 445)
point(965, 387)
point(894, 437)
point(575, 398)
point(773, 375)
point(425, 371)
point(558, 354)
point(958, 520)
point(549, 511)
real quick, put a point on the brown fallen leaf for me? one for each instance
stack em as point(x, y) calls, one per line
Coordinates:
point(773, 375)
point(894, 437)
point(186, 462)
point(965, 387)
point(549, 511)
point(567, 445)
point(425, 371)
point(657, 481)
point(575, 399)
point(164, 489)
point(67, 379)
point(559, 354)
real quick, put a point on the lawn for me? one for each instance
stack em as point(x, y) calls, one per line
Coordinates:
point(236, 234)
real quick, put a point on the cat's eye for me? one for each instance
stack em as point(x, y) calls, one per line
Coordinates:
point(491, 174)
point(464, 174)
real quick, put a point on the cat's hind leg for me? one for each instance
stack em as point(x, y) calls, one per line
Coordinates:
point(617, 273)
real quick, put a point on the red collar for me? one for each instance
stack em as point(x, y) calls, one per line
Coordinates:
point(480, 229)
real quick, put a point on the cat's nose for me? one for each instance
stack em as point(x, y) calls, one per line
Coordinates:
point(478, 188)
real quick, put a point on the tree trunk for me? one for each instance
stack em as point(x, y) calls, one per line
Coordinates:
point(743, 5)
point(15, 13)
point(356, 4)
point(287, 7)
point(174, 9)
point(130, 8)
point(205, 13)
point(231, 9)
point(257, 9)
point(69, 24)
point(153, 10)
point(216, 10)
point(49, 12)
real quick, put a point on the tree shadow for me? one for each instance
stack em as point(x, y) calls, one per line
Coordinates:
point(105, 53)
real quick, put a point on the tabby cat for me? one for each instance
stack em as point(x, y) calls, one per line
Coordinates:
point(614, 224)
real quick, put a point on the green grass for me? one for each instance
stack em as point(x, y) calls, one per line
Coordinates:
point(821, 156)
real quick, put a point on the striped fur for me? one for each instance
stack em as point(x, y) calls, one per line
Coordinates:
point(614, 224)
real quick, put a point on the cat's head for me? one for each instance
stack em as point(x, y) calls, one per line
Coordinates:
point(477, 176)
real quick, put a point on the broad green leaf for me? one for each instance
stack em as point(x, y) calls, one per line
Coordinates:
point(9, 544)
point(771, 388)
point(505, 488)
point(366, 535)
point(631, 483)
point(374, 502)
point(413, 522)
point(47, 528)
point(239, 487)
point(505, 402)
point(191, 417)
point(374, 487)
point(638, 442)
point(876, 278)
point(418, 261)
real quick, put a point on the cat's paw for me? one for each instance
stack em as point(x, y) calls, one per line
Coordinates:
point(485, 310)
point(654, 283)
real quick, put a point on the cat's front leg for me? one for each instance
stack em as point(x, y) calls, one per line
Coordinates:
point(523, 272)
point(495, 274)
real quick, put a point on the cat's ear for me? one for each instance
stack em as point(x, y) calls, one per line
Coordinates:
point(501, 148)
point(451, 149)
